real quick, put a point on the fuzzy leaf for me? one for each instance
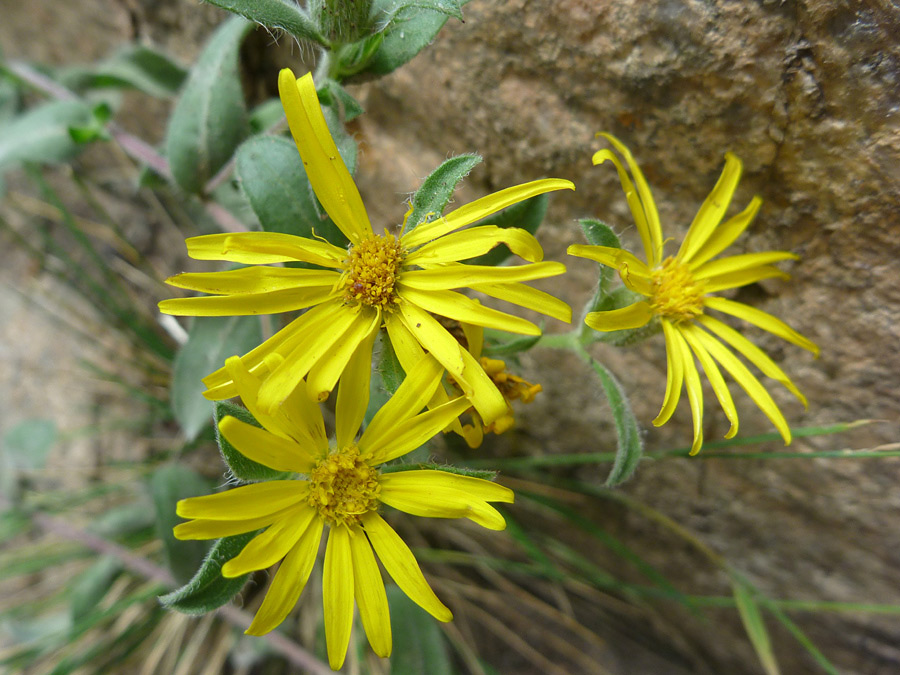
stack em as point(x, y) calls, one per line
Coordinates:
point(511, 348)
point(244, 469)
point(168, 484)
point(281, 14)
point(342, 101)
point(436, 191)
point(87, 590)
point(42, 133)
point(630, 445)
point(210, 118)
point(211, 340)
point(392, 373)
point(418, 641)
point(28, 443)
point(599, 233)
point(527, 215)
point(410, 26)
point(272, 177)
point(208, 589)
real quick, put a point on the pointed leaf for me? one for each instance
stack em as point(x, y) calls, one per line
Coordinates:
point(135, 66)
point(419, 645)
point(208, 589)
point(211, 340)
point(244, 469)
point(210, 118)
point(630, 445)
point(436, 191)
point(755, 627)
point(599, 233)
point(281, 14)
point(88, 589)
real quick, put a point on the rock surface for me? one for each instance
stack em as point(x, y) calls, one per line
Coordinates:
point(807, 94)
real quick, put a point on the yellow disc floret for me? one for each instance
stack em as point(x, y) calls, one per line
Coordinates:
point(371, 270)
point(343, 487)
point(677, 296)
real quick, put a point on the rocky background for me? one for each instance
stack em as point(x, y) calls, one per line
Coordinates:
point(807, 94)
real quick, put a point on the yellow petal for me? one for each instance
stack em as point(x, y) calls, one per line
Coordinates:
point(353, 392)
point(481, 390)
point(712, 210)
point(325, 169)
point(283, 342)
point(404, 343)
point(454, 305)
point(429, 333)
point(368, 588)
point(253, 280)
point(529, 298)
point(216, 529)
point(633, 316)
point(611, 257)
point(289, 581)
point(411, 396)
point(442, 504)
point(674, 375)
point(694, 389)
point(643, 208)
point(255, 248)
point(267, 548)
point(714, 376)
point(763, 320)
point(266, 448)
point(421, 482)
point(337, 592)
point(413, 432)
point(245, 502)
point(739, 263)
point(474, 242)
point(462, 276)
point(323, 376)
point(724, 282)
point(307, 352)
point(754, 354)
point(274, 302)
point(474, 338)
point(748, 382)
point(400, 563)
point(481, 208)
point(725, 235)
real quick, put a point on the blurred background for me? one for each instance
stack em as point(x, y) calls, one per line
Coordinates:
point(807, 94)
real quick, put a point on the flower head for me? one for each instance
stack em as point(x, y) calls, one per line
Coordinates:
point(339, 487)
point(401, 283)
point(680, 290)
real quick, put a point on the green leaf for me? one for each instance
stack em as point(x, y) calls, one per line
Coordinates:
point(42, 133)
point(281, 14)
point(755, 627)
point(210, 117)
point(244, 469)
point(527, 215)
point(332, 94)
point(123, 520)
point(136, 67)
point(436, 191)
point(169, 484)
point(630, 446)
point(9, 98)
point(272, 177)
point(410, 26)
point(599, 233)
point(511, 348)
point(392, 373)
point(418, 642)
point(211, 340)
point(209, 590)
point(88, 589)
point(28, 443)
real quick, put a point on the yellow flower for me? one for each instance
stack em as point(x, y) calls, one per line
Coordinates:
point(511, 386)
point(340, 488)
point(679, 291)
point(400, 283)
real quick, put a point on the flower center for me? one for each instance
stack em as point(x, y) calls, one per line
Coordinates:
point(342, 487)
point(371, 270)
point(677, 296)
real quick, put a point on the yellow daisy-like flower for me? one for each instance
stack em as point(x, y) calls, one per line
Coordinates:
point(680, 289)
point(401, 283)
point(341, 488)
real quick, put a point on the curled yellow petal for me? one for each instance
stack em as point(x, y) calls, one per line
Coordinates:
point(633, 316)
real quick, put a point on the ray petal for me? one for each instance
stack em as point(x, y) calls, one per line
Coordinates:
point(632, 316)
point(454, 305)
point(353, 393)
point(726, 234)
point(474, 242)
point(762, 320)
point(368, 588)
point(337, 591)
point(528, 297)
point(694, 388)
point(739, 263)
point(712, 210)
point(714, 376)
point(462, 276)
point(268, 547)
point(413, 432)
point(248, 304)
point(266, 448)
point(611, 257)
point(323, 376)
point(245, 502)
point(256, 248)
point(674, 375)
point(260, 279)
